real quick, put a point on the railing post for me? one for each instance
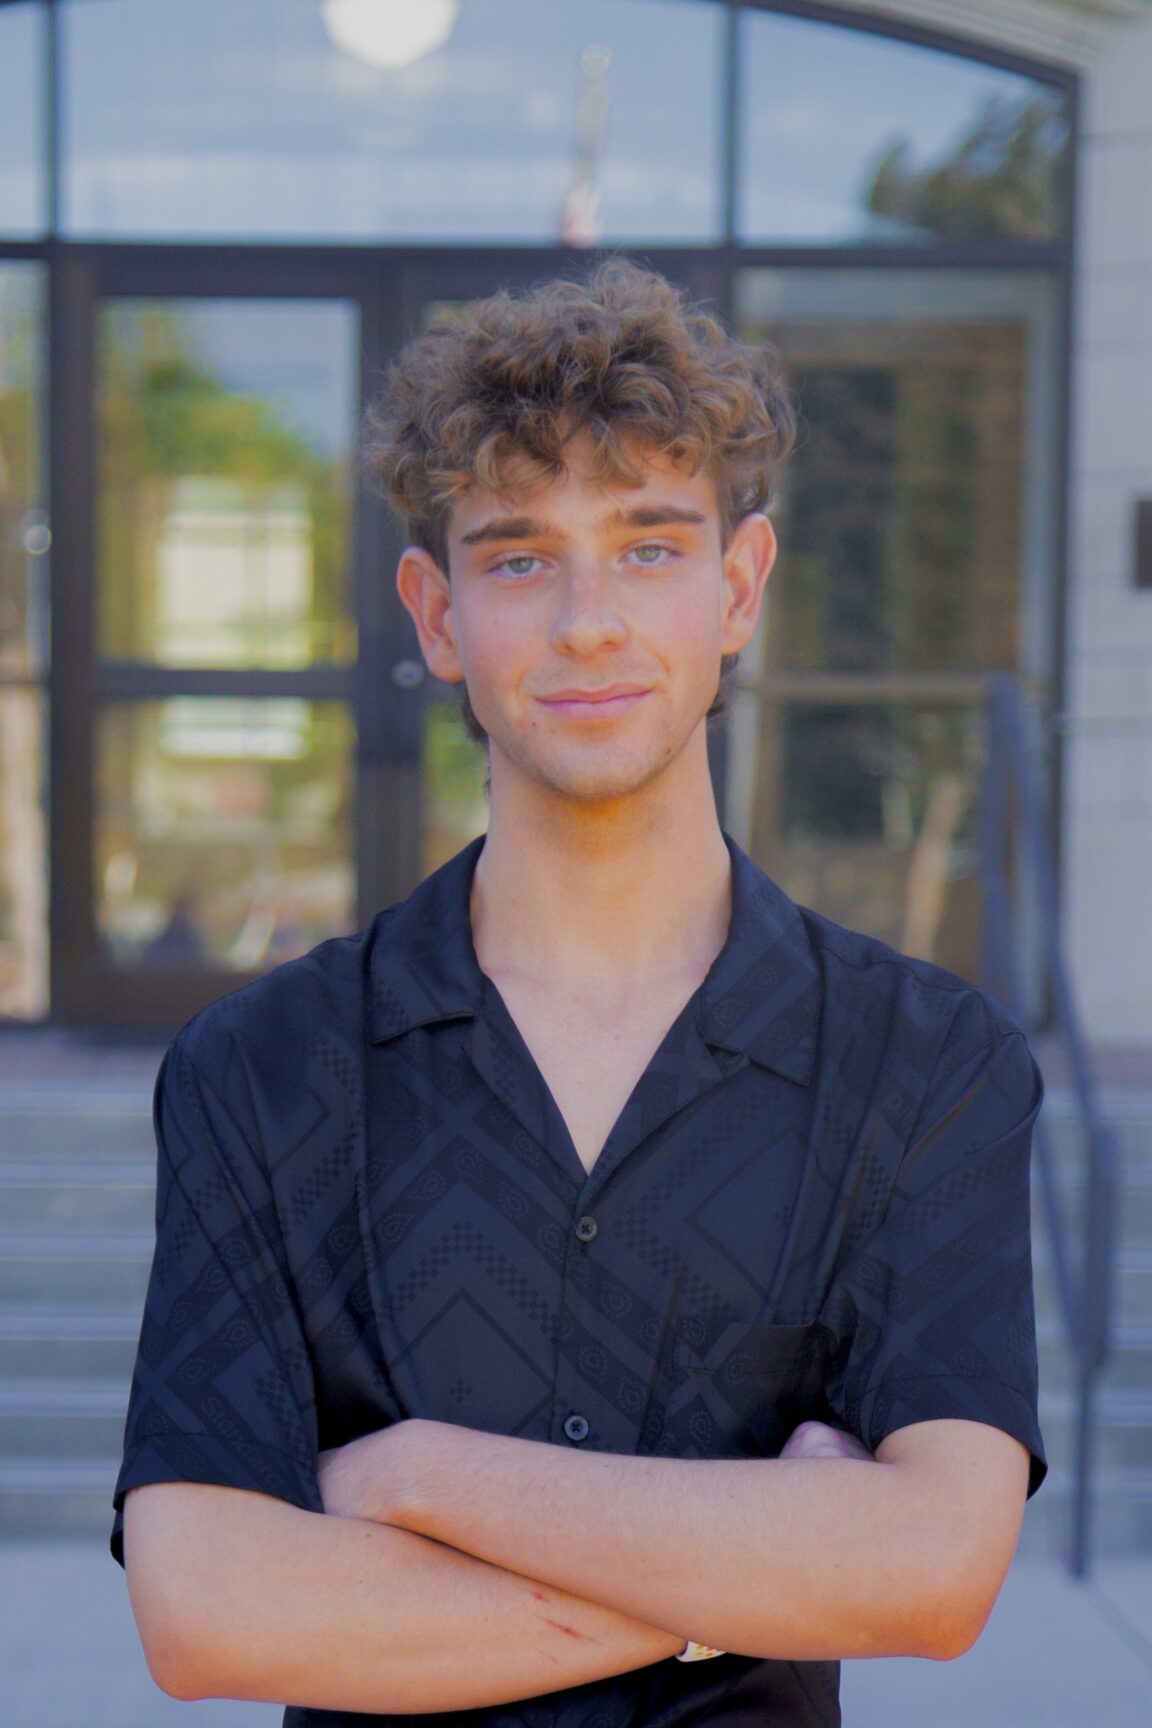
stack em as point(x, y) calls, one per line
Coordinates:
point(1082, 1473)
point(1085, 1293)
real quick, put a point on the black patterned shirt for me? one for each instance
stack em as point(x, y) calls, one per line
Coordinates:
point(815, 1204)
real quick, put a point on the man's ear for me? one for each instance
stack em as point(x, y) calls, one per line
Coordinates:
point(427, 595)
point(748, 562)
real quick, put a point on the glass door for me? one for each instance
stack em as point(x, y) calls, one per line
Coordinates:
point(207, 715)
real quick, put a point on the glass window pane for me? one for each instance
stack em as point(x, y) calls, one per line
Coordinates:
point(868, 811)
point(224, 830)
point(848, 137)
point(227, 429)
point(23, 856)
point(22, 134)
point(23, 524)
point(909, 540)
point(514, 120)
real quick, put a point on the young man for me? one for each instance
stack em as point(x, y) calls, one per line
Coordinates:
point(600, 1256)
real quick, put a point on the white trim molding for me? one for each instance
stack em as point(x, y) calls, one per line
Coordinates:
point(1068, 33)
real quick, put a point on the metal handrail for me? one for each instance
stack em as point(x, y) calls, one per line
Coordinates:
point(1084, 1281)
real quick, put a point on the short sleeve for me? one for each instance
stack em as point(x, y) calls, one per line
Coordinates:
point(933, 1313)
point(222, 1389)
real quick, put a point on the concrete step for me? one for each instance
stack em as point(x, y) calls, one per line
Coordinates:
point(63, 1124)
point(87, 1195)
point(54, 1419)
point(1127, 1369)
point(50, 1340)
point(1134, 1211)
point(1120, 1516)
point(1132, 1287)
point(61, 1497)
point(1123, 1428)
point(75, 1267)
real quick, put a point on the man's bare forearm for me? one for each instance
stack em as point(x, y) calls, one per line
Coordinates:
point(240, 1595)
point(794, 1557)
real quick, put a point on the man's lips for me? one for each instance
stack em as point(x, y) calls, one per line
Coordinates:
point(612, 699)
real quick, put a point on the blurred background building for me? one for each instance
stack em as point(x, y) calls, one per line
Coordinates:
point(218, 744)
point(217, 222)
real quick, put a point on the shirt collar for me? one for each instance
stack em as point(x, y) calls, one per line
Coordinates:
point(762, 995)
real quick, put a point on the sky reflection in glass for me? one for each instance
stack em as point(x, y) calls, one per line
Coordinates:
point(821, 107)
point(22, 144)
point(245, 121)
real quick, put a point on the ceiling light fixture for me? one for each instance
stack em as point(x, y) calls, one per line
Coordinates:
point(389, 33)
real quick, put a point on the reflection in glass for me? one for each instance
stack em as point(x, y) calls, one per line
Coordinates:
point(226, 432)
point(224, 831)
point(454, 806)
point(22, 134)
point(902, 510)
point(912, 519)
point(23, 856)
point(868, 811)
point(850, 137)
point(23, 530)
point(532, 121)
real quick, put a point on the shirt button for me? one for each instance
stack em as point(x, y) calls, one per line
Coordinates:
point(586, 1229)
point(576, 1427)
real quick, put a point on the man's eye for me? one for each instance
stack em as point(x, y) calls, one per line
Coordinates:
point(652, 546)
point(505, 566)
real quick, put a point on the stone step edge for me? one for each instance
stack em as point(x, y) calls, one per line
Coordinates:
point(59, 1476)
point(132, 1245)
point(64, 1322)
point(74, 1098)
point(53, 1396)
point(1130, 1256)
point(77, 1173)
point(1115, 1406)
point(1130, 1334)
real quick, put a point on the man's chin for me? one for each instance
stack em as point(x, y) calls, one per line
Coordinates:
point(587, 784)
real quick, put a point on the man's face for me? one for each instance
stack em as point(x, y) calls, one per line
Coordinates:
point(589, 620)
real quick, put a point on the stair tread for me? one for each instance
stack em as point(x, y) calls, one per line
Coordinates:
point(59, 1320)
point(58, 1475)
point(55, 1396)
point(62, 1245)
point(77, 1172)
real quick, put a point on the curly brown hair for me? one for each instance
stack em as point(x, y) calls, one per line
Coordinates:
point(622, 356)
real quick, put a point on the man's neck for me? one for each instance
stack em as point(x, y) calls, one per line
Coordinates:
point(602, 904)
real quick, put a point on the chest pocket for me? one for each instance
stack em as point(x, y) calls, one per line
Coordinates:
point(741, 1387)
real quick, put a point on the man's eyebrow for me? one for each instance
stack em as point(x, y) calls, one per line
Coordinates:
point(531, 527)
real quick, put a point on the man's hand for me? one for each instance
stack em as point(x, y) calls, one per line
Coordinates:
point(371, 1477)
point(818, 1440)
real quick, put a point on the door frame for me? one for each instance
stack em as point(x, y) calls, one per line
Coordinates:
point(85, 989)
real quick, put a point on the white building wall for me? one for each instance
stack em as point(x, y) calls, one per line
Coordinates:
point(1107, 830)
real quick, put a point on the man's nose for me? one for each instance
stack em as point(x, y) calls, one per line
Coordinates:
point(590, 614)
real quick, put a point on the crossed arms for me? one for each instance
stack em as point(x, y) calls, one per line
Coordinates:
point(453, 1568)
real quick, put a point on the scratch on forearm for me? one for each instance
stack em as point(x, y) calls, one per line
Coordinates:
point(560, 1625)
point(571, 1630)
